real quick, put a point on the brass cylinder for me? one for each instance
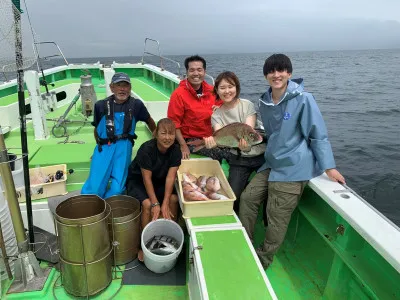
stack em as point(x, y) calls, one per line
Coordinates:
point(84, 243)
point(124, 227)
point(76, 211)
point(97, 274)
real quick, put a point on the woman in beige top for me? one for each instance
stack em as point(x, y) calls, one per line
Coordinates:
point(242, 161)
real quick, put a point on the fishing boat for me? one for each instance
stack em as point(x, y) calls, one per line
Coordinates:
point(337, 245)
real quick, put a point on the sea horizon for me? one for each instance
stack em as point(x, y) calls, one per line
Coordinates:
point(241, 53)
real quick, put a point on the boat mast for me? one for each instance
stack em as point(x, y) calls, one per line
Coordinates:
point(22, 116)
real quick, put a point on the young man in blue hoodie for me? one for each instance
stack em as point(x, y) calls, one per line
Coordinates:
point(298, 149)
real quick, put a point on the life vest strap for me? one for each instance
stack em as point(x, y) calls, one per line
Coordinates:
point(107, 141)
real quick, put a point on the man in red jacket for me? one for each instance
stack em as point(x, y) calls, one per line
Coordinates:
point(191, 106)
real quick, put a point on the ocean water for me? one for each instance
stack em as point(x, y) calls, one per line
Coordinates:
point(358, 93)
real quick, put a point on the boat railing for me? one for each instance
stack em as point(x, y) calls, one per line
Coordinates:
point(212, 78)
point(162, 58)
point(347, 189)
point(12, 67)
point(50, 56)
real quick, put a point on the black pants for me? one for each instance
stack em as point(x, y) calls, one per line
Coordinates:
point(240, 169)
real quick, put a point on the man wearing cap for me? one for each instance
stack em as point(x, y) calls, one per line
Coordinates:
point(115, 121)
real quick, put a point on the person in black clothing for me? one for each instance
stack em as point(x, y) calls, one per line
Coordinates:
point(152, 174)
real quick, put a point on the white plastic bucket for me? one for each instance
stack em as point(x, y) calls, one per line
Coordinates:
point(161, 263)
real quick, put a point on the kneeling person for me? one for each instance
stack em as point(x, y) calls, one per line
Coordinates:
point(152, 174)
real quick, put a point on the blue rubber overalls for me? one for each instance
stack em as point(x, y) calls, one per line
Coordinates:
point(112, 162)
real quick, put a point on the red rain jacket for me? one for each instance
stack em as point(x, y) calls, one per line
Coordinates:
point(190, 113)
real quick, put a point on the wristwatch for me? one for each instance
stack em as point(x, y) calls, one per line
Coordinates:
point(155, 204)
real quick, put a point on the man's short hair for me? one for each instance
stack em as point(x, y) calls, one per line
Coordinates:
point(194, 58)
point(277, 62)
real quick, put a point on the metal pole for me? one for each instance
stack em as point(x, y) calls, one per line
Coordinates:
point(22, 116)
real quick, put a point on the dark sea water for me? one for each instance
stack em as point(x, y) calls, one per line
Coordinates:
point(358, 93)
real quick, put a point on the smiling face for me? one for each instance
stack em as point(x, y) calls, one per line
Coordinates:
point(121, 91)
point(278, 79)
point(165, 134)
point(165, 137)
point(195, 74)
point(226, 91)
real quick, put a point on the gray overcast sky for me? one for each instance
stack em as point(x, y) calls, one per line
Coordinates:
point(118, 27)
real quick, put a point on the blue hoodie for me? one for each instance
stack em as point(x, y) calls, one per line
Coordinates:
point(298, 148)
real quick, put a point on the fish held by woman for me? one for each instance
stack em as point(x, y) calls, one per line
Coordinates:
point(230, 135)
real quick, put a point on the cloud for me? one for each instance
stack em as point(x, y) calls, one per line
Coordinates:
point(215, 26)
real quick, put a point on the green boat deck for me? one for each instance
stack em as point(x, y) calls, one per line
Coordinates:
point(53, 290)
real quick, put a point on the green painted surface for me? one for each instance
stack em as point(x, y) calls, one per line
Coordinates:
point(146, 91)
point(53, 290)
point(201, 221)
point(368, 273)
point(9, 99)
point(132, 72)
point(315, 262)
point(237, 275)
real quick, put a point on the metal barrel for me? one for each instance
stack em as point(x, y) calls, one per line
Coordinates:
point(88, 95)
point(84, 244)
point(124, 227)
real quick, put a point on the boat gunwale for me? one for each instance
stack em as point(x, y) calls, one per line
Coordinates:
point(354, 210)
